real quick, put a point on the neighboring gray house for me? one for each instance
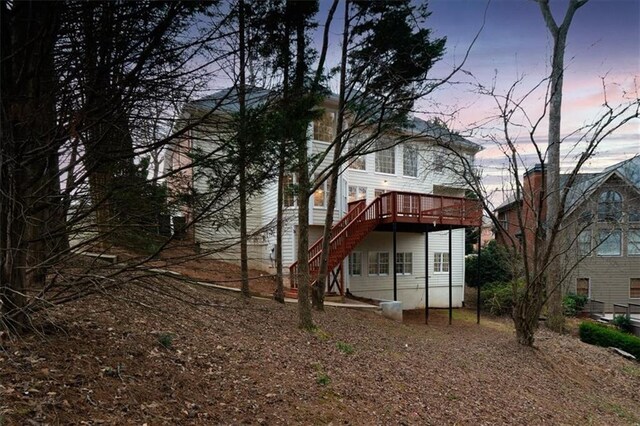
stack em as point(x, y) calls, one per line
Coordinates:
point(603, 217)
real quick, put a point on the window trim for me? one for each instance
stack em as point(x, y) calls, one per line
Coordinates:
point(377, 263)
point(351, 274)
point(630, 279)
point(588, 285)
point(441, 263)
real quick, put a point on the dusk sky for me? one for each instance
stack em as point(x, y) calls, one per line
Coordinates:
point(604, 41)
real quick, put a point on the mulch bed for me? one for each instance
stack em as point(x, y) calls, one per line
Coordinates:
point(100, 360)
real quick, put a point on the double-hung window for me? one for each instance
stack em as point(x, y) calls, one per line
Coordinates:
point(404, 263)
point(355, 263)
point(385, 158)
point(584, 243)
point(410, 161)
point(440, 262)
point(378, 263)
point(609, 243)
point(633, 242)
point(357, 193)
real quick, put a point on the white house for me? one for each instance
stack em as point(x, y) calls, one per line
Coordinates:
point(408, 192)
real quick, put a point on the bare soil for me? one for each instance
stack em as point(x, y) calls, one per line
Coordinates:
point(101, 360)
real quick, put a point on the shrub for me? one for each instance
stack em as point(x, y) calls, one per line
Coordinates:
point(497, 298)
point(495, 266)
point(601, 335)
point(623, 322)
point(573, 304)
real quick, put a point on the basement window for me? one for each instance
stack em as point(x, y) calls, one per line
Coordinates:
point(355, 264)
point(404, 263)
point(441, 262)
point(378, 263)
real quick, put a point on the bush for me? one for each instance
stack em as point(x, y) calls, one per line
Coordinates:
point(623, 322)
point(497, 298)
point(165, 340)
point(601, 335)
point(573, 304)
point(495, 266)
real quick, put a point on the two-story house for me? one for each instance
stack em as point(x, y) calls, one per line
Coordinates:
point(601, 237)
point(399, 202)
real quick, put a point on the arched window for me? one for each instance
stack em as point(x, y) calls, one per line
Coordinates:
point(610, 206)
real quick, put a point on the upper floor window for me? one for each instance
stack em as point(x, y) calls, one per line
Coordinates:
point(610, 206)
point(633, 242)
point(634, 214)
point(324, 127)
point(410, 161)
point(386, 158)
point(610, 243)
point(584, 243)
point(358, 162)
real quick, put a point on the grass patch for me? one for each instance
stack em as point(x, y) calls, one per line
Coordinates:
point(322, 378)
point(345, 348)
point(321, 334)
point(621, 412)
point(165, 340)
point(631, 370)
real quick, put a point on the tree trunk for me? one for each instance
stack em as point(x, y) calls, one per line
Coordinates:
point(319, 288)
point(279, 293)
point(554, 209)
point(28, 154)
point(242, 153)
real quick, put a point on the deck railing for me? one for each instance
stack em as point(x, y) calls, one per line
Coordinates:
point(389, 207)
point(596, 308)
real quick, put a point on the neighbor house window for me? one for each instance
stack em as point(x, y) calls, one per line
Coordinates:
point(410, 161)
point(633, 242)
point(357, 193)
point(610, 243)
point(584, 243)
point(634, 214)
point(289, 191)
point(385, 159)
point(610, 206)
point(355, 263)
point(504, 220)
point(582, 287)
point(323, 127)
point(404, 263)
point(358, 162)
point(634, 288)
point(378, 263)
point(440, 262)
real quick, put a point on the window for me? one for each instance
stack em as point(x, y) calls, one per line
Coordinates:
point(584, 243)
point(610, 243)
point(582, 287)
point(634, 214)
point(634, 288)
point(440, 262)
point(355, 263)
point(357, 163)
point(323, 127)
point(378, 263)
point(633, 242)
point(410, 161)
point(289, 191)
point(610, 206)
point(357, 193)
point(404, 263)
point(438, 162)
point(385, 159)
point(504, 220)
point(319, 195)
point(379, 192)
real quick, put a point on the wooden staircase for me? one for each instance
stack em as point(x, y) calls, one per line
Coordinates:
point(390, 207)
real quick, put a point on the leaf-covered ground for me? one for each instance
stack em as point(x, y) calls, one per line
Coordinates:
point(228, 361)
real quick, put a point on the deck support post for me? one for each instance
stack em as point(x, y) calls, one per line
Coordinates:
point(393, 262)
point(426, 277)
point(450, 279)
point(478, 301)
